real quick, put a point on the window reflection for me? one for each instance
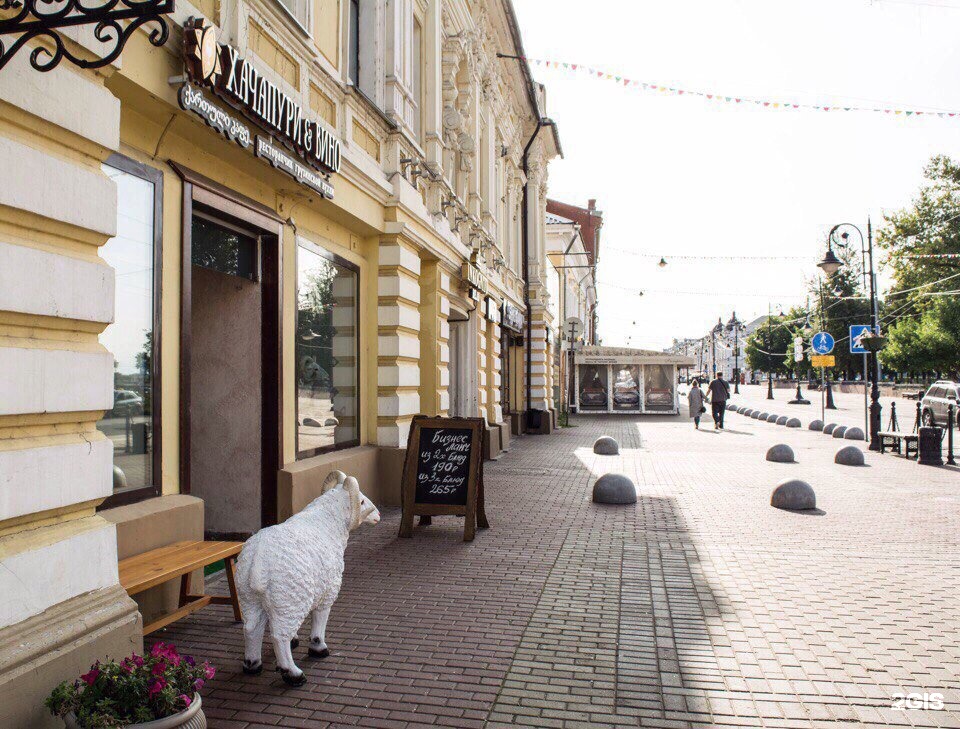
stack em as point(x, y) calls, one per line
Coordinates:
point(129, 338)
point(326, 344)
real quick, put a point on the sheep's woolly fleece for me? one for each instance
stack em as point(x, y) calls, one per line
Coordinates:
point(291, 569)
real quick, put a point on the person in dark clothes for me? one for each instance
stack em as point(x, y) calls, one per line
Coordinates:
point(719, 393)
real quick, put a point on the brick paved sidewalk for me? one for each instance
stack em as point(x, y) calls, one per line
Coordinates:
point(699, 607)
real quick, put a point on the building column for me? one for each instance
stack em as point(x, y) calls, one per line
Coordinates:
point(398, 340)
point(61, 606)
point(434, 339)
point(494, 406)
point(482, 360)
point(539, 363)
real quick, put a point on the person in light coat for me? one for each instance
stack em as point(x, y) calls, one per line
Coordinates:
point(695, 399)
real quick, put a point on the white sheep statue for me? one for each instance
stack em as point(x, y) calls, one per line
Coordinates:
point(293, 569)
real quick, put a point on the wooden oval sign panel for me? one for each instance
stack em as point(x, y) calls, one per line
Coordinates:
point(443, 472)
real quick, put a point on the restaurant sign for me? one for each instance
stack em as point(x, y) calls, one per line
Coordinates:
point(474, 277)
point(223, 70)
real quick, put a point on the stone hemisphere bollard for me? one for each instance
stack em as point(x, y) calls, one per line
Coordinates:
point(782, 420)
point(606, 446)
point(755, 415)
point(614, 488)
point(839, 431)
point(829, 428)
point(781, 453)
point(119, 478)
point(772, 418)
point(741, 410)
point(764, 416)
point(794, 423)
point(794, 495)
point(849, 456)
point(815, 425)
point(854, 434)
point(731, 407)
point(748, 412)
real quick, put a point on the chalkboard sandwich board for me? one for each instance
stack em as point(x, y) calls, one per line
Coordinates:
point(443, 473)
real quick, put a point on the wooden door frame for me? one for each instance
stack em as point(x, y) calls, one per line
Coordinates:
point(269, 227)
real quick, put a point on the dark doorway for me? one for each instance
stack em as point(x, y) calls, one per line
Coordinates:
point(230, 363)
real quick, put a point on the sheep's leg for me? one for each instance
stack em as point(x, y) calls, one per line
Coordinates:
point(288, 669)
point(254, 623)
point(318, 634)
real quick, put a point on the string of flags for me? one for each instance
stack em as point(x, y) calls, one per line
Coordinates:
point(781, 105)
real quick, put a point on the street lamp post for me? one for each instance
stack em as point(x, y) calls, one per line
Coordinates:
point(826, 378)
point(830, 265)
point(718, 329)
point(769, 344)
point(734, 326)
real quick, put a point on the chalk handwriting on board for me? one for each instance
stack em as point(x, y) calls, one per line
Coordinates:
point(444, 466)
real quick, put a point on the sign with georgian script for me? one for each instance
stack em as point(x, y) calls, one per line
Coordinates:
point(316, 152)
point(443, 473)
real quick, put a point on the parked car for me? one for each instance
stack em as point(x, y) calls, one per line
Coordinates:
point(126, 402)
point(933, 406)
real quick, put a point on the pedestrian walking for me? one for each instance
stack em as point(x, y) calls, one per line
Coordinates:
point(719, 393)
point(695, 400)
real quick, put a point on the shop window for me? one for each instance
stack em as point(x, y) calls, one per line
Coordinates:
point(132, 424)
point(327, 349)
point(658, 387)
point(593, 387)
point(626, 388)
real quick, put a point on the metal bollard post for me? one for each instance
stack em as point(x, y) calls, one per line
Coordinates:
point(894, 425)
point(950, 422)
point(830, 404)
point(917, 423)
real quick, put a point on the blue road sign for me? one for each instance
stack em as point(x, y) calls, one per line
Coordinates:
point(856, 333)
point(822, 343)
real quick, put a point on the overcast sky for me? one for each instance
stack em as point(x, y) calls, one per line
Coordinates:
point(685, 176)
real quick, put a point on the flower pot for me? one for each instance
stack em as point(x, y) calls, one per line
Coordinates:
point(190, 718)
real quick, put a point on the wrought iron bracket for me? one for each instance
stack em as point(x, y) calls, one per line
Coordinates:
point(42, 19)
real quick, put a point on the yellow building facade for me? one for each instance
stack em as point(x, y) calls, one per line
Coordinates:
point(234, 262)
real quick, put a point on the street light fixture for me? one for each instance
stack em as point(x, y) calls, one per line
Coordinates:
point(874, 342)
point(718, 329)
point(733, 326)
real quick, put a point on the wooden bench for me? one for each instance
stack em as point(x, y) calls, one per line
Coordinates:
point(180, 560)
point(892, 440)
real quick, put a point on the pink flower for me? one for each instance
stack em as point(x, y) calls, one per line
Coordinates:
point(156, 687)
point(208, 670)
point(159, 668)
point(190, 661)
point(185, 699)
point(91, 676)
point(137, 660)
point(158, 648)
point(198, 684)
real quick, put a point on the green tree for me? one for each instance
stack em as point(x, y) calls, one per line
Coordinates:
point(768, 345)
point(923, 314)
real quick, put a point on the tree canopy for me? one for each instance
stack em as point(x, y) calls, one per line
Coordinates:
point(922, 322)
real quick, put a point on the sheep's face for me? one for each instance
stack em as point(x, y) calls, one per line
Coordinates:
point(363, 511)
point(373, 517)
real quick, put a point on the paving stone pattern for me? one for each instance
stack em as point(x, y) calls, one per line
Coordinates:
point(699, 606)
